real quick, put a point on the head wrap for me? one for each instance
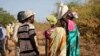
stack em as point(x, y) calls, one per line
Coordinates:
point(22, 15)
point(29, 13)
point(62, 9)
point(52, 19)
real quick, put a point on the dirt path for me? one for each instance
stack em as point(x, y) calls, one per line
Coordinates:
point(41, 45)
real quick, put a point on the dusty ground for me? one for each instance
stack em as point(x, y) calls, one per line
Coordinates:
point(86, 48)
point(41, 45)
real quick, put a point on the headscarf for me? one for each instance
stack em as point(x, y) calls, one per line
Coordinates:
point(22, 15)
point(52, 19)
point(62, 9)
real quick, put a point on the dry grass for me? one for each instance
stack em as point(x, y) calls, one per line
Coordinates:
point(89, 40)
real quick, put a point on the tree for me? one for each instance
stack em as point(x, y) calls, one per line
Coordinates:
point(95, 4)
point(5, 17)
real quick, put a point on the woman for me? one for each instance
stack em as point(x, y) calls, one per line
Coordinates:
point(67, 19)
point(73, 34)
point(57, 38)
point(26, 34)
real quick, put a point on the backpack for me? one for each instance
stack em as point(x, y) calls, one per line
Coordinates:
point(1, 33)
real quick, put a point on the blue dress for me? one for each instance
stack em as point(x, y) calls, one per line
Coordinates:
point(73, 43)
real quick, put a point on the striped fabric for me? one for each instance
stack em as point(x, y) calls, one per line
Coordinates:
point(26, 36)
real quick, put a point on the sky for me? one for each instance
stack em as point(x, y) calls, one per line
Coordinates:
point(42, 8)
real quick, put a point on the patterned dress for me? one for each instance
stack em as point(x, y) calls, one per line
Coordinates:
point(57, 45)
point(47, 34)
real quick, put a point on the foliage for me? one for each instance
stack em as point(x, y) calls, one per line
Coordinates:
point(89, 18)
point(41, 26)
point(89, 26)
point(5, 17)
